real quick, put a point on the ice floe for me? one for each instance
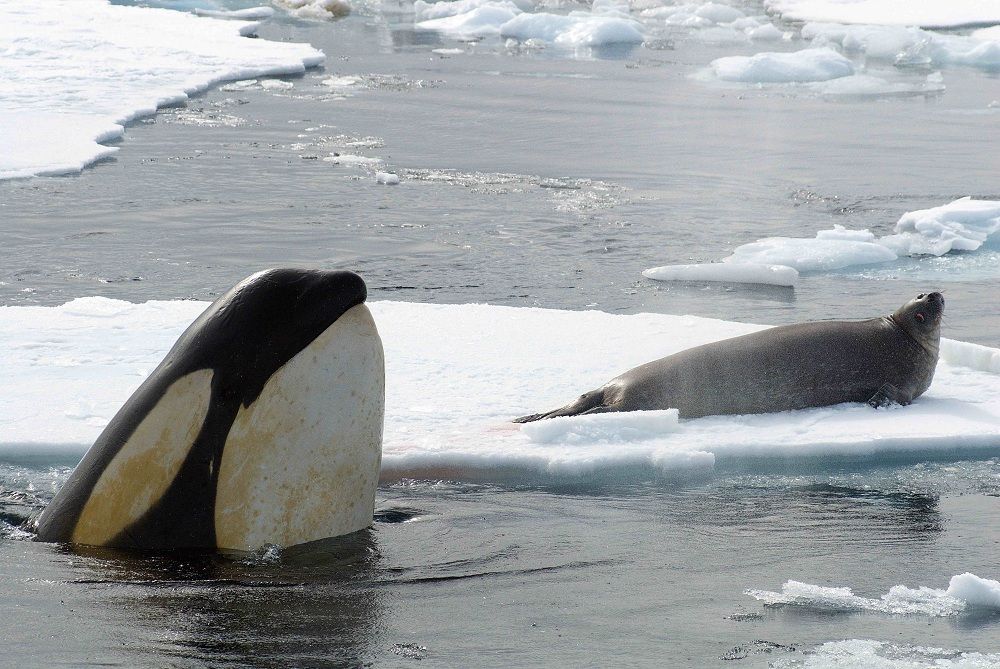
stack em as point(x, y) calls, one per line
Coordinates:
point(248, 14)
point(950, 14)
point(908, 46)
point(965, 592)
point(75, 71)
point(819, 64)
point(456, 376)
point(757, 273)
point(322, 10)
point(870, 654)
point(962, 225)
point(605, 23)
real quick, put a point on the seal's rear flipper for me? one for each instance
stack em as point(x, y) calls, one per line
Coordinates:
point(888, 395)
point(592, 402)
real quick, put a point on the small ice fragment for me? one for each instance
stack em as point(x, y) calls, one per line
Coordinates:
point(249, 14)
point(448, 52)
point(386, 178)
point(340, 82)
point(774, 275)
point(241, 85)
point(276, 85)
point(352, 160)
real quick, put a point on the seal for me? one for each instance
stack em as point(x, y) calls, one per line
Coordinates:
point(262, 425)
point(883, 360)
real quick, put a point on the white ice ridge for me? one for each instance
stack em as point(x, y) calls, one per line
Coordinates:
point(607, 22)
point(965, 592)
point(923, 13)
point(457, 375)
point(72, 72)
point(870, 654)
point(962, 225)
point(774, 275)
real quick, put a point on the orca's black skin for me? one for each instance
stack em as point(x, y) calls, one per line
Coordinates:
point(244, 337)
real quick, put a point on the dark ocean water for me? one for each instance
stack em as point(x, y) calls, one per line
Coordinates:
point(527, 180)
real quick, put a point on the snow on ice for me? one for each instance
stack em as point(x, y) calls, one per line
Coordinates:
point(75, 71)
point(457, 375)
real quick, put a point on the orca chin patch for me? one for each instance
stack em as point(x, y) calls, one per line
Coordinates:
point(262, 425)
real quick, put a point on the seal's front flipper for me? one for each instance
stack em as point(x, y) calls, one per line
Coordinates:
point(888, 395)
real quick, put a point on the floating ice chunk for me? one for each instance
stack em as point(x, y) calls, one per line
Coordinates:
point(962, 225)
point(248, 14)
point(448, 52)
point(424, 11)
point(718, 13)
point(603, 427)
point(908, 45)
point(483, 20)
point(573, 30)
point(875, 41)
point(765, 33)
point(868, 654)
point(975, 591)
point(242, 85)
point(811, 255)
point(316, 9)
point(775, 275)
point(953, 13)
point(276, 85)
point(797, 66)
point(341, 82)
point(386, 178)
point(964, 591)
point(75, 71)
point(352, 160)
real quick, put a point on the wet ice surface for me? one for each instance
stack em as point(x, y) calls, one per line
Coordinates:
point(532, 174)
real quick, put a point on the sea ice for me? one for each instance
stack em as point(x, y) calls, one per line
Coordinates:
point(775, 275)
point(817, 64)
point(352, 160)
point(962, 225)
point(810, 255)
point(965, 591)
point(923, 13)
point(908, 45)
point(248, 14)
point(75, 71)
point(457, 375)
point(606, 23)
point(386, 178)
point(322, 10)
point(870, 654)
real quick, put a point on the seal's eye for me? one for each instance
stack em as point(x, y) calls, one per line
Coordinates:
point(920, 296)
point(920, 317)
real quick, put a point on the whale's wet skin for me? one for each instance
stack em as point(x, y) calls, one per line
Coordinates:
point(527, 179)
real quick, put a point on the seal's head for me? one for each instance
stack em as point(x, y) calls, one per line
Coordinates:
point(921, 319)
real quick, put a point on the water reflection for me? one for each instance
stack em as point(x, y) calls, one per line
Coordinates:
point(307, 606)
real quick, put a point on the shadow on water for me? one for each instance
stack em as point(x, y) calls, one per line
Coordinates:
point(312, 605)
